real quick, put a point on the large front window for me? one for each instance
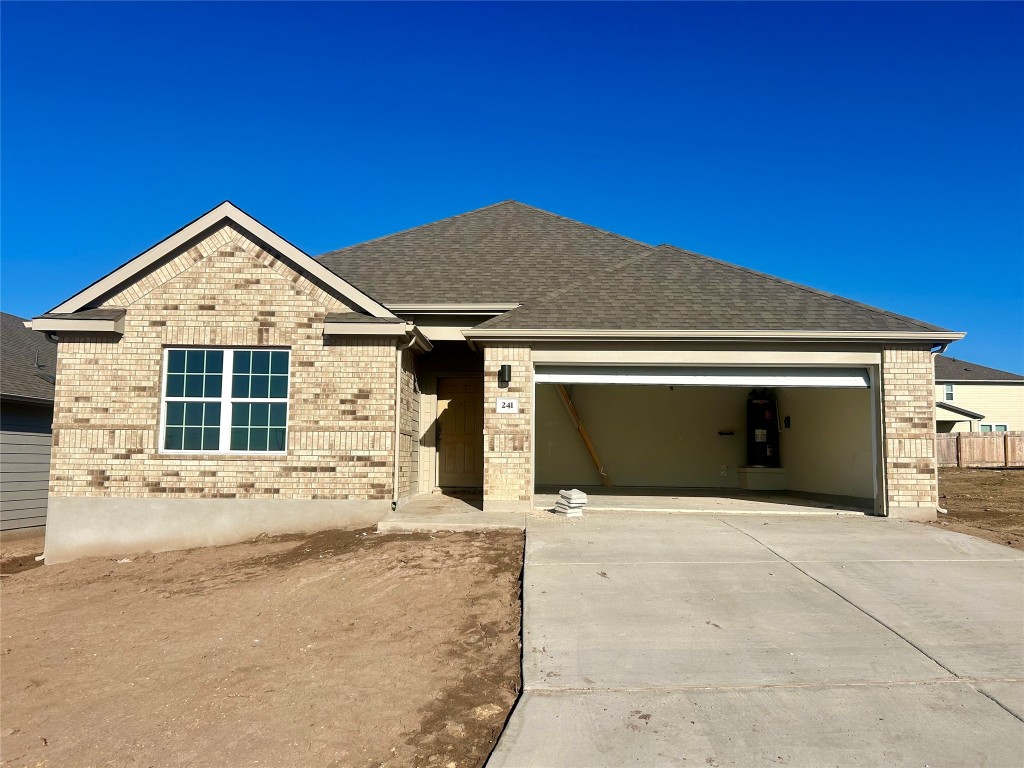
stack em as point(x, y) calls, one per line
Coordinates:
point(225, 400)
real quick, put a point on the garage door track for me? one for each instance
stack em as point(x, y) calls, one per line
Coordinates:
point(664, 639)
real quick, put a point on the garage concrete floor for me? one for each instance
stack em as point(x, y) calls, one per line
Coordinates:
point(684, 639)
point(711, 500)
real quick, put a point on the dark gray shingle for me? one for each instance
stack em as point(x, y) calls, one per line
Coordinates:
point(672, 289)
point(28, 360)
point(508, 252)
point(951, 369)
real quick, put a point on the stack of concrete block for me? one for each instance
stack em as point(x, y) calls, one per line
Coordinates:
point(571, 503)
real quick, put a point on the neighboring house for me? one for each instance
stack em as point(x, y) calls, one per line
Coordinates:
point(224, 383)
point(28, 361)
point(974, 398)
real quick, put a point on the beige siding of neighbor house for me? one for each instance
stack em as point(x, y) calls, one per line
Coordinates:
point(999, 403)
point(224, 291)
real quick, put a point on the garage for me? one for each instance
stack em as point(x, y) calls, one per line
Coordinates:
point(794, 436)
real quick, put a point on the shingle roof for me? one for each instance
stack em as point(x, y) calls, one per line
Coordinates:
point(97, 313)
point(569, 275)
point(951, 369)
point(668, 288)
point(20, 351)
point(508, 252)
point(356, 317)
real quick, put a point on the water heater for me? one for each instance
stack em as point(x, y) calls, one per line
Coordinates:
point(762, 429)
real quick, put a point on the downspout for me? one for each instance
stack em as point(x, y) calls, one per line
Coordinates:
point(399, 349)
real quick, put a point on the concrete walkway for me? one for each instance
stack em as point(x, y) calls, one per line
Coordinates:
point(682, 639)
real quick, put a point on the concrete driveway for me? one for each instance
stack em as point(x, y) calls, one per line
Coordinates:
point(692, 640)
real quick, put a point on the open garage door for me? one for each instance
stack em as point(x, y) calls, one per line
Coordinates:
point(685, 427)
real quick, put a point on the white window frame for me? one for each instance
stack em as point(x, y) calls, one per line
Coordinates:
point(993, 428)
point(947, 393)
point(225, 400)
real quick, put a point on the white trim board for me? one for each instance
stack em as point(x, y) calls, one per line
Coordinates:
point(694, 376)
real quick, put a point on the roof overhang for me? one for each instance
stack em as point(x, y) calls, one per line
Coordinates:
point(979, 381)
point(392, 330)
point(102, 320)
point(225, 212)
point(502, 334)
point(963, 412)
point(26, 399)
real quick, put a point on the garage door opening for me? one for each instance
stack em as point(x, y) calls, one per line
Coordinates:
point(667, 441)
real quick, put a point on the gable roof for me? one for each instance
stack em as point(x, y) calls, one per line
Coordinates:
point(670, 289)
point(225, 212)
point(28, 361)
point(504, 253)
point(951, 369)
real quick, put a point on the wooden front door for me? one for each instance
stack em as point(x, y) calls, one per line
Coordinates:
point(460, 433)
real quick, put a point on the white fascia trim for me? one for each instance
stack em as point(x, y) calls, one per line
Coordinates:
point(385, 330)
point(486, 334)
point(488, 308)
point(56, 325)
point(367, 329)
point(979, 381)
point(230, 212)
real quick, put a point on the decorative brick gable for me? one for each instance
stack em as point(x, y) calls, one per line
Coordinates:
point(224, 291)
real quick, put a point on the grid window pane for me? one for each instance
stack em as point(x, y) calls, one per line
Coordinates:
point(196, 394)
point(176, 361)
point(276, 439)
point(258, 426)
point(192, 426)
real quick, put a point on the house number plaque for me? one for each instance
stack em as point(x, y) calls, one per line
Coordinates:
point(507, 405)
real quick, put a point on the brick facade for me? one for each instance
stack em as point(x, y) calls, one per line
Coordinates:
point(908, 412)
point(508, 438)
point(408, 429)
point(224, 291)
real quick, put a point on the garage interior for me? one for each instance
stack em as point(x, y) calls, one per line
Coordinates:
point(678, 438)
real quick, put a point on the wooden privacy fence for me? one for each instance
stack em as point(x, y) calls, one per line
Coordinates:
point(980, 449)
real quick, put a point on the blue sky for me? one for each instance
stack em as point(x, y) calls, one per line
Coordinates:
point(872, 150)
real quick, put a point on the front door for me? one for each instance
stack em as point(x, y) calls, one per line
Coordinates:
point(460, 432)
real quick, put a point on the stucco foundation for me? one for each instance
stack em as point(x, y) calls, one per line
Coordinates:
point(88, 526)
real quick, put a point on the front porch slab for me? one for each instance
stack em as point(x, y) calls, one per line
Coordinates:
point(429, 512)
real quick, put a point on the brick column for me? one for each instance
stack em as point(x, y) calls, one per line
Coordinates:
point(908, 418)
point(508, 437)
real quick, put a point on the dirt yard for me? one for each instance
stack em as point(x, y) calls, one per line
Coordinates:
point(345, 648)
point(988, 503)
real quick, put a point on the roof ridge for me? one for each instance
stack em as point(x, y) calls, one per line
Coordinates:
point(510, 201)
point(581, 223)
point(412, 229)
point(801, 286)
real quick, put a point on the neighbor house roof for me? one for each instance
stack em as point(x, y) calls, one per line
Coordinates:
point(951, 369)
point(28, 361)
point(959, 411)
point(668, 288)
point(571, 276)
point(504, 253)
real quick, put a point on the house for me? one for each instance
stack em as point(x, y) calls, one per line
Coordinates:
point(28, 362)
point(224, 383)
point(975, 398)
